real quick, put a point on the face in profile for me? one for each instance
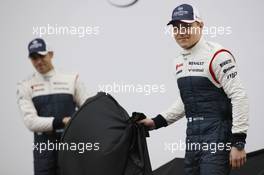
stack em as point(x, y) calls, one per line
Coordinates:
point(187, 34)
point(42, 63)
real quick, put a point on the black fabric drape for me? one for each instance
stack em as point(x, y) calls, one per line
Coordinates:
point(122, 142)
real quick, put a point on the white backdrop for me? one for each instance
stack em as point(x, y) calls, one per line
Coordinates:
point(127, 46)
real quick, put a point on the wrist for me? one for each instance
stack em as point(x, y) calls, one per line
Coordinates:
point(240, 146)
point(159, 121)
point(239, 140)
point(238, 137)
point(57, 123)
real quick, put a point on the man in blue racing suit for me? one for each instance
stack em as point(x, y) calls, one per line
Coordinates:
point(211, 97)
point(47, 100)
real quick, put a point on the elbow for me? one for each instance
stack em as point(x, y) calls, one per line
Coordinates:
point(31, 127)
point(35, 126)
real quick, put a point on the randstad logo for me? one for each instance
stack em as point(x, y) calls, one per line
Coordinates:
point(35, 44)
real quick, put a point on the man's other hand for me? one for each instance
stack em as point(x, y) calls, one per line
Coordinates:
point(148, 123)
point(237, 158)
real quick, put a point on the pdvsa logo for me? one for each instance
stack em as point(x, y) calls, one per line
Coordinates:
point(123, 3)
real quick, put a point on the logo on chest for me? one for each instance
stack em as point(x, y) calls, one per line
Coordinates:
point(196, 63)
point(196, 70)
point(178, 66)
point(63, 86)
point(37, 87)
point(196, 66)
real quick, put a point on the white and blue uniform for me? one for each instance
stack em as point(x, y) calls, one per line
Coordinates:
point(44, 100)
point(214, 102)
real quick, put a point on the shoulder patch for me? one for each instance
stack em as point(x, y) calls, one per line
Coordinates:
point(211, 62)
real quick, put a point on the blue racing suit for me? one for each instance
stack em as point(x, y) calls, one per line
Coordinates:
point(44, 100)
point(215, 104)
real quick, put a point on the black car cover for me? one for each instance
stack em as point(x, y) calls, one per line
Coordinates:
point(102, 139)
point(253, 166)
